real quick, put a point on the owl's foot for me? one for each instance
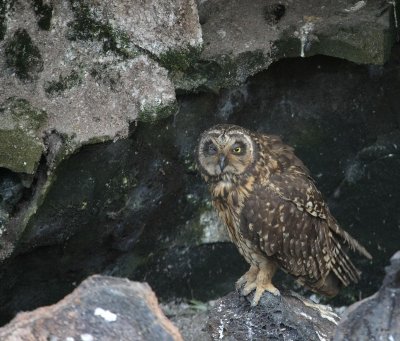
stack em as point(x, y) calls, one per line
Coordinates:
point(260, 289)
point(248, 279)
point(259, 279)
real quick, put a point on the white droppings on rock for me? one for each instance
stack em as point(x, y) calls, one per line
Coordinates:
point(321, 336)
point(305, 30)
point(306, 316)
point(105, 314)
point(221, 330)
point(87, 337)
point(69, 338)
point(357, 6)
point(250, 331)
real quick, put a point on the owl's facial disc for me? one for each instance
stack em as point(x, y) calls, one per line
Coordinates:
point(225, 152)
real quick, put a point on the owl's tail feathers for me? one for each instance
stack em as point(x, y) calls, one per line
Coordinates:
point(330, 286)
point(354, 244)
point(342, 266)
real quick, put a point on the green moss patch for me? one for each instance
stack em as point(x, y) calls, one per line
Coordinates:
point(23, 56)
point(87, 27)
point(64, 83)
point(180, 60)
point(44, 13)
point(151, 114)
point(20, 145)
point(5, 6)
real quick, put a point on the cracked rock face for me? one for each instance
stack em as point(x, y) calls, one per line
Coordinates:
point(101, 308)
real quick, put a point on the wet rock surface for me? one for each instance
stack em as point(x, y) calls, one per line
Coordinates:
point(376, 317)
point(285, 317)
point(101, 308)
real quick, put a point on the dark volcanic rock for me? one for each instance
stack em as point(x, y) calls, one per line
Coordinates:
point(101, 308)
point(137, 208)
point(376, 317)
point(285, 317)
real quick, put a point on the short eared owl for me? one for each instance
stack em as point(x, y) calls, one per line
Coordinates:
point(274, 213)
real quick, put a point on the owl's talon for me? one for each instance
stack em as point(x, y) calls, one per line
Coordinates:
point(248, 278)
point(261, 289)
point(248, 288)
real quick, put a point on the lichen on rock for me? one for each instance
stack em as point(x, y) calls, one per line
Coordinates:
point(21, 146)
point(23, 56)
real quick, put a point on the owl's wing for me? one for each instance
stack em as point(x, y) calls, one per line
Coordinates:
point(296, 186)
point(300, 243)
point(286, 234)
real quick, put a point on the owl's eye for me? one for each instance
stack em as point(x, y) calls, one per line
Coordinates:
point(211, 149)
point(238, 149)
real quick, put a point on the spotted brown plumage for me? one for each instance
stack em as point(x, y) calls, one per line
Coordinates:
point(274, 213)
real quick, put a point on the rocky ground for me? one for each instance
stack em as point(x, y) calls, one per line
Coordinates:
point(101, 105)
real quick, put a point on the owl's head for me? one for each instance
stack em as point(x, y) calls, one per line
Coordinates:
point(225, 150)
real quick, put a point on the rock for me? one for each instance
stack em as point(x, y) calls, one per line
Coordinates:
point(378, 316)
point(87, 74)
point(101, 308)
point(159, 27)
point(285, 317)
point(137, 208)
point(11, 192)
point(21, 145)
point(241, 39)
point(190, 318)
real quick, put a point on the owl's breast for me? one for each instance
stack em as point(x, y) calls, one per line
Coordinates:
point(229, 201)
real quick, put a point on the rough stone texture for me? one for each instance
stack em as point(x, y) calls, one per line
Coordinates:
point(91, 69)
point(242, 37)
point(286, 317)
point(190, 318)
point(89, 93)
point(21, 145)
point(101, 308)
point(143, 200)
point(376, 317)
point(156, 26)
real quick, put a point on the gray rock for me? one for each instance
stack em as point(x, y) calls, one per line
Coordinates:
point(159, 27)
point(21, 144)
point(285, 317)
point(378, 316)
point(242, 38)
point(90, 74)
point(101, 308)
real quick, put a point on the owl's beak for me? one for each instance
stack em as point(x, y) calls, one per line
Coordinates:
point(222, 162)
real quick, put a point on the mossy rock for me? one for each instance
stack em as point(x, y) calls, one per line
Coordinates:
point(44, 13)
point(180, 60)
point(87, 27)
point(20, 144)
point(23, 56)
point(154, 113)
point(63, 83)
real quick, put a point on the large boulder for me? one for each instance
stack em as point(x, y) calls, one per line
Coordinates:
point(80, 72)
point(242, 38)
point(378, 316)
point(100, 308)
